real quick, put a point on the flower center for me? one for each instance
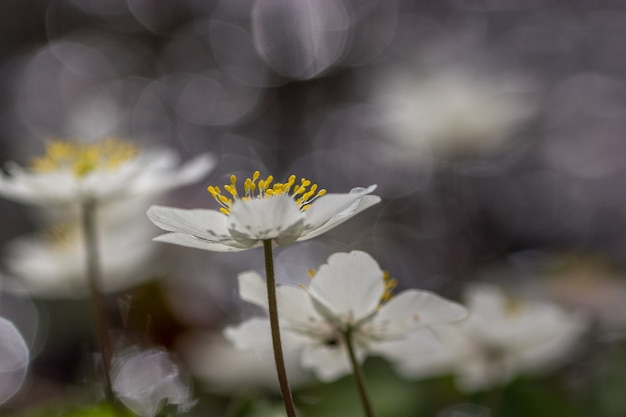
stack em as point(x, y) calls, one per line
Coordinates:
point(84, 158)
point(390, 285)
point(304, 193)
point(60, 235)
point(513, 307)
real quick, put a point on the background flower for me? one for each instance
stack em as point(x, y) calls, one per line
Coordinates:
point(14, 360)
point(72, 171)
point(146, 381)
point(221, 368)
point(502, 337)
point(51, 263)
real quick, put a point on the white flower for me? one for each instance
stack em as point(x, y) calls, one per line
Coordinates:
point(213, 360)
point(72, 172)
point(52, 264)
point(146, 381)
point(501, 338)
point(282, 212)
point(451, 112)
point(14, 358)
point(349, 294)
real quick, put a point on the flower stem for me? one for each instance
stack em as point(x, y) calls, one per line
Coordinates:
point(276, 343)
point(359, 378)
point(97, 301)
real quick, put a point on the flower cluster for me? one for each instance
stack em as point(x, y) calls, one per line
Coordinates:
point(502, 337)
point(349, 311)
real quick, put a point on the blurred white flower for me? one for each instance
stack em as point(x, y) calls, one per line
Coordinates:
point(14, 358)
point(501, 337)
point(282, 212)
point(73, 171)
point(451, 113)
point(349, 294)
point(214, 360)
point(51, 264)
point(147, 380)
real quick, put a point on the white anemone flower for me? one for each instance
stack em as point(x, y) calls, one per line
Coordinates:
point(350, 296)
point(51, 264)
point(501, 338)
point(146, 381)
point(452, 113)
point(212, 359)
point(72, 172)
point(281, 212)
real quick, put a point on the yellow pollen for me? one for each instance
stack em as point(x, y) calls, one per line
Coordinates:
point(84, 158)
point(304, 193)
point(513, 306)
point(60, 235)
point(390, 285)
point(311, 272)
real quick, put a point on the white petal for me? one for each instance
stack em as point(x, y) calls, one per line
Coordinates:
point(206, 224)
point(253, 289)
point(416, 343)
point(266, 218)
point(214, 360)
point(40, 189)
point(195, 169)
point(364, 203)
point(159, 176)
point(189, 241)
point(295, 307)
point(14, 357)
point(251, 334)
point(427, 364)
point(412, 309)
point(349, 286)
point(147, 380)
point(328, 206)
point(328, 364)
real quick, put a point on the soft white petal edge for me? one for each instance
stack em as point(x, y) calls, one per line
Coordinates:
point(183, 239)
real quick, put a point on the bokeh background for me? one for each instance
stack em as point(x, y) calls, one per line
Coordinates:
point(495, 130)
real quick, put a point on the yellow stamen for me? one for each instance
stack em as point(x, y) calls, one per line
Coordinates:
point(256, 188)
point(390, 285)
point(60, 235)
point(83, 158)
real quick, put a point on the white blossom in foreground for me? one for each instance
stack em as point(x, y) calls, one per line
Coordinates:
point(501, 338)
point(281, 212)
point(71, 172)
point(147, 380)
point(51, 264)
point(14, 359)
point(348, 295)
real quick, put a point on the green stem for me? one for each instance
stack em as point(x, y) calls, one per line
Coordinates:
point(97, 300)
point(359, 378)
point(276, 343)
